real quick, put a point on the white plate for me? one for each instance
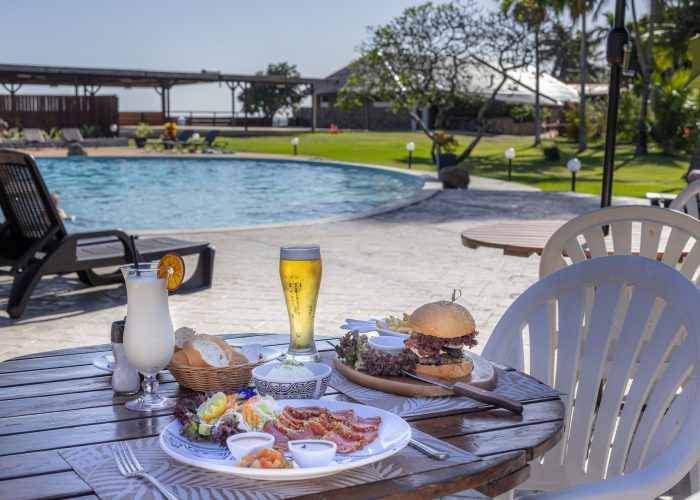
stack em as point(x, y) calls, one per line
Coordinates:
point(370, 325)
point(394, 434)
point(104, 362)
point(390, 333)
point(251, 351)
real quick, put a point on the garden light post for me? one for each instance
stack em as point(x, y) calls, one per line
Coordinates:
point(410, 146)
point(114, 128)
point(295, 143)
point(195, 137)
point(510, 155)
point(574, 165)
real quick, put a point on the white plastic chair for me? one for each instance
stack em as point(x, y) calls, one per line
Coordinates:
point(687, 200)
point(582, 238)
point(643, 434)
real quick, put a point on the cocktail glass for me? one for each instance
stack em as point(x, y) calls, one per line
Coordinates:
point(149, 337)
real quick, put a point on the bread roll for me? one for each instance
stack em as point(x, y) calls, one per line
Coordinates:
point(182, 335)
point(447, 371)
point(237, 358)
point(442, 319)
point(180, 358)
point(205, 352)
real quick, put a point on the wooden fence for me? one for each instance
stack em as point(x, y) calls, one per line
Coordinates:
point(48, 111)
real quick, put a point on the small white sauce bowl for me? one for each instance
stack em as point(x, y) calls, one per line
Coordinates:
point(312, 452)
point(242, 445)
point(390, 345)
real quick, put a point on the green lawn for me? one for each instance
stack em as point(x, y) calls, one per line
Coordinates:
point(633, 176)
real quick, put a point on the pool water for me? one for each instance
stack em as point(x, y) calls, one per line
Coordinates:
point(193, 193)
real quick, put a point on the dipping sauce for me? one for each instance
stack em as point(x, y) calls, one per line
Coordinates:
point(314, 446)
point(249, 443)
point(312, 452)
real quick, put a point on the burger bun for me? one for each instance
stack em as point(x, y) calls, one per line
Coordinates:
point(443, 319)
point(456, 370)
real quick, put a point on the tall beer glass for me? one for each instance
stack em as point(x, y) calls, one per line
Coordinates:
point(300, 272)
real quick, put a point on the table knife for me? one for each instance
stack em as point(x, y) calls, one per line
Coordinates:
point(470, 391)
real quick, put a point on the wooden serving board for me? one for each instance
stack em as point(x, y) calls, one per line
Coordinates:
point(483, 376)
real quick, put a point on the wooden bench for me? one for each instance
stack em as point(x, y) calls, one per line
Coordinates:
point(660, 199)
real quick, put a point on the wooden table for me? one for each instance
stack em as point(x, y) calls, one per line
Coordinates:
point(77, 407)
point(522, 238)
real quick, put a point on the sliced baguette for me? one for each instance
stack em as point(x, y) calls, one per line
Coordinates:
point(180, 358)
point(182, 335)
point(205, 352)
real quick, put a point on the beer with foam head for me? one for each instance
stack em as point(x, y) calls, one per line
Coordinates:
point(300, 273)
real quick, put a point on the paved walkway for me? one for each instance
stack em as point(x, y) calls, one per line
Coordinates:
point(386, 264)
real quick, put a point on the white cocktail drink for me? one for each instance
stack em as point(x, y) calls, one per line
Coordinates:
point(149, 338)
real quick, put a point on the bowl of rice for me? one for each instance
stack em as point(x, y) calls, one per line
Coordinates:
point(290, 380)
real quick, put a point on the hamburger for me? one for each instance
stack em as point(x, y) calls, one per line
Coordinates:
point(441, 330)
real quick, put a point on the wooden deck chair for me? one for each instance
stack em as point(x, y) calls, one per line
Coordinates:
point(637, 433)
point(34, 241)
point(688, 200)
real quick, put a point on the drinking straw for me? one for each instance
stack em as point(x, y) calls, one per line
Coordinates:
point(135, 254)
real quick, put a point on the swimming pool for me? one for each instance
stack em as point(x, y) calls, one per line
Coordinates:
point(194, 193)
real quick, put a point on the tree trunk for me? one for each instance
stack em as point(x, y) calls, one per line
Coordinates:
point(538, 116)
point(481, 123)
point(641, 147)
point(582, 99)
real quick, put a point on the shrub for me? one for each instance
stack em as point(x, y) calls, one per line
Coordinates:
point(551, 152)
point(143, 131)
point(674, 116)
point(446, 142)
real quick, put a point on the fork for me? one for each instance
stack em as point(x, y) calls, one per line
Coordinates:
point(130, 467)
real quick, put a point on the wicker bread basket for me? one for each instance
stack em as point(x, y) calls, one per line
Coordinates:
point(213, 379)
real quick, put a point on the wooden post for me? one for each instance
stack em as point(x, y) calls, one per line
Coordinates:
point(232, 86)
point(313, 108)
point(246, 87)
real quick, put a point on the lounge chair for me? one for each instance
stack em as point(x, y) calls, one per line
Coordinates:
point(208, 140)
point(72, 135)
point(34, 137)
point(179, 141)
point(34, 242)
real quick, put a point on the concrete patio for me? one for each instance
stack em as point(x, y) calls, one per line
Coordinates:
point(385, 264)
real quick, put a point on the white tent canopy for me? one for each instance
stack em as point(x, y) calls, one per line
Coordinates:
point(519, 88)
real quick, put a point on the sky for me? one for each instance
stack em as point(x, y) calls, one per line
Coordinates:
point(234, 36)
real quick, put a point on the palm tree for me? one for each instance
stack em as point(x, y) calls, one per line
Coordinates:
point(532, 13)
point(580, 9)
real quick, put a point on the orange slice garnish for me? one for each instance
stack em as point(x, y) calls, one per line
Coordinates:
point(171, 268)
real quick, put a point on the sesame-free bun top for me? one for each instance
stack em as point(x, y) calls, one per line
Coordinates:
point(443, 319)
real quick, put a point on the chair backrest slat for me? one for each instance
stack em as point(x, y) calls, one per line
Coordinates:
point(627, 350)
point(591, 368)
point(622, 236)
point(687, 200)
point(649, 368)
point(26, 201)
point(649, 244)
point(662, 395)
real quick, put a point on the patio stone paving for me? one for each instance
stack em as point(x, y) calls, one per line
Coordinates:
point(384, 264)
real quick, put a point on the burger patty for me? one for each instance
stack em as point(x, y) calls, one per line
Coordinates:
point(427, 344)
point(438, 351)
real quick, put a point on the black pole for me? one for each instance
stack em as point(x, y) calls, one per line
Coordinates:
point(573, 181)
point(617, 39)
point(295, 149)
point(410, 158)
point(510, 167)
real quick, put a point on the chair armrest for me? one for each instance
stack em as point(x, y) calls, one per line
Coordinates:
point(74, 239)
